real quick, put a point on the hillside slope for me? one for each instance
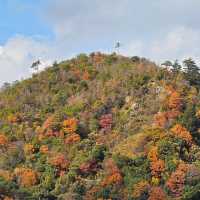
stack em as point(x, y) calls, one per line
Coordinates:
point(101, 127)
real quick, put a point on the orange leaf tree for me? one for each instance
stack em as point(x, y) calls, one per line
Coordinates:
point(59, 161)
point(27, 177)
point(114, 175)
point(157, 193)
point(72, 138)
point(182, 133)
point(175, 101)
point(70, 125)
point(176, 181)
point(157, 165)
point(3, 140)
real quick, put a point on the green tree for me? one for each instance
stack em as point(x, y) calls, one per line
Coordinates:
point(192, 72)
point(176, 67)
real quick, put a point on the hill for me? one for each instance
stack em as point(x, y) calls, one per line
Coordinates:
point(102, 127)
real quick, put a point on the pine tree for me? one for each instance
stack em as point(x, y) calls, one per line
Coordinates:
point(192, 72)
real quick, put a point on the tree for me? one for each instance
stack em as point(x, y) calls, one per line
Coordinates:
point(140, 188)
point(167, 63)
point(175, 101)
point(106, 122)
point(176, 181)
point(35, 65)
point(29, 149)
point(89, 167)
point(181, 132)
point(26, 176)
point(72, 138)
point(157, 193)
point(189, 119)
point(70, 125)
point(59, 161)
point(44, 149)
point(3, 140)
point(157, 165)
point(192, 72)
point(175, 66)
point(114, 176)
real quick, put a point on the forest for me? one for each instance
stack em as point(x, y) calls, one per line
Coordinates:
point(102, 127)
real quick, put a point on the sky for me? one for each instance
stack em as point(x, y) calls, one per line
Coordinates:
point(52, 30)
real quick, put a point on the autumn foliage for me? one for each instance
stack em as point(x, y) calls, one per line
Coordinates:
point(157, 165)
point(48, 122)
point(59, 161)
point(70, 125)
point(177, 179)
point(175, 101)
point(157, 193)
point(114, 176)
point(89, 167)
point(140, 188)
point(182, 133)
point(15, 118)
point(29, 149)
point(44, 149)
point(86, 76)
point(27, 177)
point(101, 127)
point(7, 175)
point(72, 138)
point(3, 140)
point(8, 198)
point(198, 114)
point(106, 122)
point(163, 119)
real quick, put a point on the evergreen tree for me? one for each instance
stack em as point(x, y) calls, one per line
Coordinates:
point(192, 72)
point(176, 67)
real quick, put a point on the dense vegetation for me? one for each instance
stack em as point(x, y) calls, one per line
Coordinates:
point(102, 127)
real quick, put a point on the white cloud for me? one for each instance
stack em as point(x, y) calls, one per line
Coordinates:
point(158, 30)
point(133, 48)
point(179, 43)
point(17, 55)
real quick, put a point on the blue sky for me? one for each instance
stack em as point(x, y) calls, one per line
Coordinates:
point(58, 29)
point(21, 17)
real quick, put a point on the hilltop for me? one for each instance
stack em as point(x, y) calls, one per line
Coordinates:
point(102, 127)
